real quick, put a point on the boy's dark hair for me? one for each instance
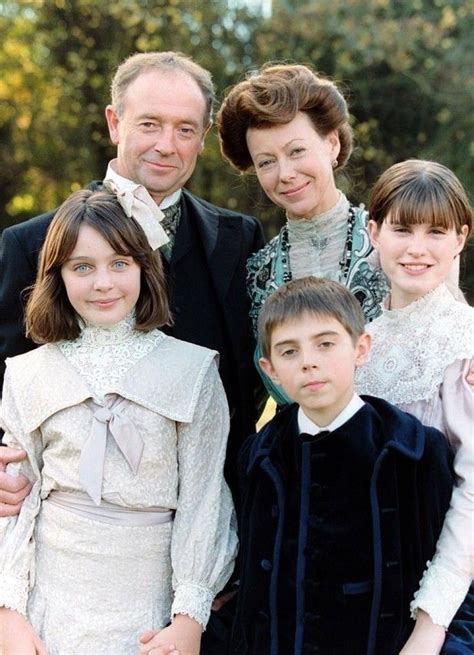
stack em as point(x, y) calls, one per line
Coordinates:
point(311, 295)
point(418, 191)
point(50, 316)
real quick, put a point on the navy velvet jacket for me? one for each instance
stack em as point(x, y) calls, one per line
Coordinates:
point(401, 472)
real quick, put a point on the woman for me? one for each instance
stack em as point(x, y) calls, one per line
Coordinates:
point(291, 126)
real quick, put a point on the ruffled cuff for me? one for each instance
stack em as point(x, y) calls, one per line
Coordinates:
point(440, 595)
point(193, 600)
point(14, 592)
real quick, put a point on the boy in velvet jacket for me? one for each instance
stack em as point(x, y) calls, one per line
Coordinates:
point(343, 498)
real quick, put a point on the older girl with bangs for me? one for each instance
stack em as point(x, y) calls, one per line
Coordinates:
point(422, 349)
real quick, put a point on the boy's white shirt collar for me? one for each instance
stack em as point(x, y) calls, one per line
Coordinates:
point(124, 183)
point(307, 426)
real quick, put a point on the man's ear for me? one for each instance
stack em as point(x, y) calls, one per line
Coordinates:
point(362, 349)
point(267, 367)
point(113, 124)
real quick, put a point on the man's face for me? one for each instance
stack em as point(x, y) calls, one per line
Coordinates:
point(160, 132)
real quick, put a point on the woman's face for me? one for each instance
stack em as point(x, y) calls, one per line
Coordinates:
point(294, 166)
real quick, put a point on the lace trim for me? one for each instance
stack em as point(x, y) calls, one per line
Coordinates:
point(14, 592)
point(104, 355)
point(413, 346)
point(440, 595)
point(193, 600)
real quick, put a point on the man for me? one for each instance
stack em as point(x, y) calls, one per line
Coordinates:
point(159, 116)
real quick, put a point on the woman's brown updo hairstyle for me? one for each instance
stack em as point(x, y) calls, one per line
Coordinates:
point(274, 96)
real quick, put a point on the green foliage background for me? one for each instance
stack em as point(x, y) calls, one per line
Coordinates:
point(406, 66)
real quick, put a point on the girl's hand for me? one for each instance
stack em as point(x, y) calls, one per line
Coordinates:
point(13, 490)
point(17, 636)
point(426, 638)
point(183, 637)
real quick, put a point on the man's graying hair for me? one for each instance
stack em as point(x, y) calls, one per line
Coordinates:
point(140, 63)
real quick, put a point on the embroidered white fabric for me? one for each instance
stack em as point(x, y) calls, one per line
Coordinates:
point(81, 564)
point(411, 347)
point(317, 244)
point(102, 355)
point(440, 590)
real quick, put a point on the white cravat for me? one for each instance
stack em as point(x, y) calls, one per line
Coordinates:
point(137, 203)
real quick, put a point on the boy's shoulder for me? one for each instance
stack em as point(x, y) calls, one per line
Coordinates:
point(401, 431)
point(267, 440)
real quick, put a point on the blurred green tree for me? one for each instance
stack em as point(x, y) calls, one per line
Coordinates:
point(405, 66)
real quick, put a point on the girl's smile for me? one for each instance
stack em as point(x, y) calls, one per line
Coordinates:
point(416, 258)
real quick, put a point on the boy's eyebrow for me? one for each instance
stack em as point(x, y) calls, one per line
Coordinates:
point(314, 336)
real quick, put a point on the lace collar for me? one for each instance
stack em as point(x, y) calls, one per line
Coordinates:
point(413, 346)
point(98, 335)
point(103, 355)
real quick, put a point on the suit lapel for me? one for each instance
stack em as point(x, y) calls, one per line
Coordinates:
point(220, 239)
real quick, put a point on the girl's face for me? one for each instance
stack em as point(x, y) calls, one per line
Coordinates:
point(415, 258)
point(294, 166)
point(103, 286)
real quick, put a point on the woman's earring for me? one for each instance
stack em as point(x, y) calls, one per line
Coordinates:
point(334, 163)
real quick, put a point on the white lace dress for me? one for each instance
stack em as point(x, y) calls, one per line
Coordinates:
point(88, 585)
point(419, 359)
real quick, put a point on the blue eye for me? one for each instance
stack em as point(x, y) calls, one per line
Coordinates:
point(120, 264)
point(82, 268)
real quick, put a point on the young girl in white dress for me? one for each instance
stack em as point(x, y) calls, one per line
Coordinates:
point(422, 349)
point(129, 524)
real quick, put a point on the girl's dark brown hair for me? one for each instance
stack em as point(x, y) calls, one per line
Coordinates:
point(50, 316)
point(417, 191)
point(273, 97)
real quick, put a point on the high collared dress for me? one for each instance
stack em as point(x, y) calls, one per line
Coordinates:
point(90, 583)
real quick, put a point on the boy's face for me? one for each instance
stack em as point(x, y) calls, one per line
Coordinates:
point(313, 358)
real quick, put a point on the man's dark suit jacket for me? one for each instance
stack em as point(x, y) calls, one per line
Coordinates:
point(208, 299)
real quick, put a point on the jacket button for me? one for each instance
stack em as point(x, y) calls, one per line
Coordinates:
point(262, 616)
point(274, 511)
point(266, 565)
